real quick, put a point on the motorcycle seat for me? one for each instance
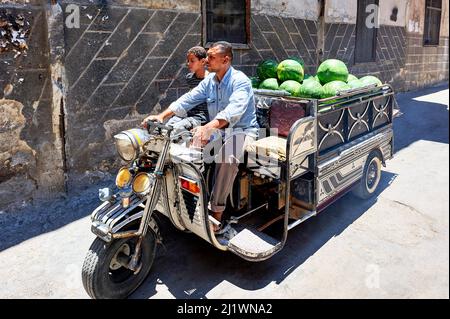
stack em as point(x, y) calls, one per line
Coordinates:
point(271, 146)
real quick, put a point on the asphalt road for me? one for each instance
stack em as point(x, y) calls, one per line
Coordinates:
point(394, 246)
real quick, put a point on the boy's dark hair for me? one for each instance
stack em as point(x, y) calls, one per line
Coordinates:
point(198, 51)
point(225, 48)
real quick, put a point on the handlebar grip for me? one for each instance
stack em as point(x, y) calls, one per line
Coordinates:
point(155, 124)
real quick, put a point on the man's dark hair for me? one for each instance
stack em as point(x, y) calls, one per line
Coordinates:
point(199, 52)
point(225, 48)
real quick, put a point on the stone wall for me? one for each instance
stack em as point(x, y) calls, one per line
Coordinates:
point(425, 65)
point(390, 52)
point(65, 90)
point(401, 58)
point(124, 62)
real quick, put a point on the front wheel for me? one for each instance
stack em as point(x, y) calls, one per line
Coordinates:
point(103, 275)
point(371, 177)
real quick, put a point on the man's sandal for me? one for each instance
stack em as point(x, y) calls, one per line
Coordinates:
point(223, 229)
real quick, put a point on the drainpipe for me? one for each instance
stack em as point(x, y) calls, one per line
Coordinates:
point(321, 32)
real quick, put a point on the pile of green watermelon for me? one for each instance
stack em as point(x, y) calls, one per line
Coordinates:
point(288, 75)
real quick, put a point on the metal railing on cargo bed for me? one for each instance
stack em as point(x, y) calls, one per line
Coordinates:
point(340, 119)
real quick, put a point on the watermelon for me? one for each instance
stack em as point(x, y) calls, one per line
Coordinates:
point(311, 89)
point(269, 84)
point(355, 84)
point(290, 70)
point(308, 76)
point(291, 86)
point(267, 69)
point(332, 70)
point(351, 77)
point(331, 88)
point(255, 81)
point(299, 60)
point(370, 79)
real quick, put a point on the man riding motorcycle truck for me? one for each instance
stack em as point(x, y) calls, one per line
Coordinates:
point(231, 105)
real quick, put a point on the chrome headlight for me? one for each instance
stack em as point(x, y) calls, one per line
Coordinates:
point(127, 151)
point(142, 183)
point(123, 178)
point(129, 143)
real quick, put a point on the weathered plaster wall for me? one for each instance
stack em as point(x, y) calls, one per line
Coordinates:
point(17, 158)
point(22, 2)
point(337, 11)
point(30, 159)
point(185, 5)
point(306, 9)
point(386, 12)
point(415, 16)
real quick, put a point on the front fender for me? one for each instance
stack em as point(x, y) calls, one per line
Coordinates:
point(111, 217)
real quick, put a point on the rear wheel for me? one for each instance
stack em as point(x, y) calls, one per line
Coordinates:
point(104, 276)
point(371, 177)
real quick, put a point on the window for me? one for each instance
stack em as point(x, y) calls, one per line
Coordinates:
point(225, 20)
point(433, 9)
point(366, 34)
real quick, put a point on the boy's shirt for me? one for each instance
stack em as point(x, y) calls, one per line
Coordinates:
point(202, 109)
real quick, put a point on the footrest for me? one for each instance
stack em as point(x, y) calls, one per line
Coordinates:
point(252, 243)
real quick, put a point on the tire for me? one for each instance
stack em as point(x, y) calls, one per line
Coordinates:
point(370, 180)
point(103, 282)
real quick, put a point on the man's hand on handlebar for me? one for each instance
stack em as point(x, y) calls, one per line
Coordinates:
point(158, 118)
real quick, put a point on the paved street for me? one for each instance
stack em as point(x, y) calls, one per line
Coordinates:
point(394, 246)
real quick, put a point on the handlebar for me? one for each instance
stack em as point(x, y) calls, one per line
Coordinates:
point(174, 134)
point(151, 125)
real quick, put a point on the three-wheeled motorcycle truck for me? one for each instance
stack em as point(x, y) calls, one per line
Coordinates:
point(310, 153)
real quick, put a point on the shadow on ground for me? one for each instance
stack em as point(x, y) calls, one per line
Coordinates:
point(420, 120)
point(190, 267)
point(19, 223)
